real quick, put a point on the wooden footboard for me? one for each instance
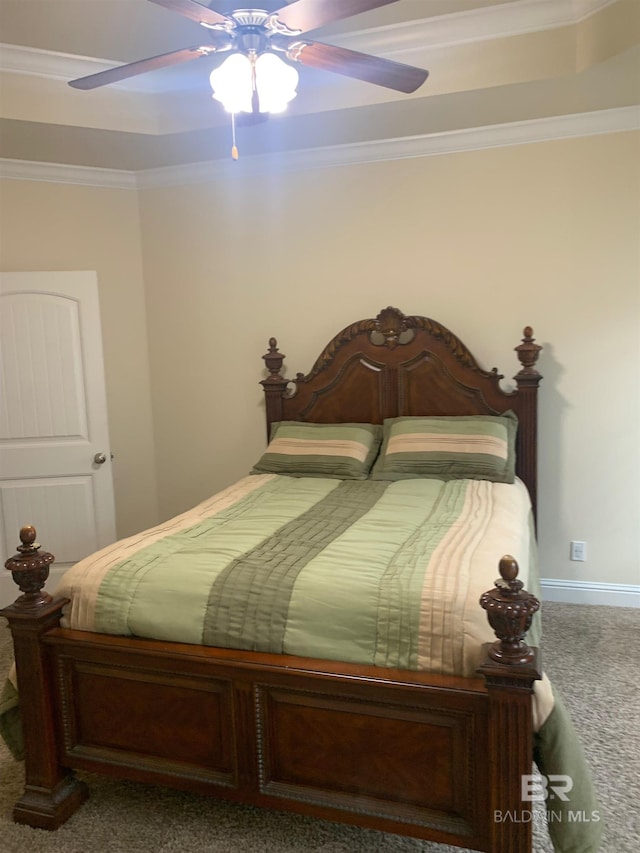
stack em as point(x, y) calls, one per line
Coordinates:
point(413, 753)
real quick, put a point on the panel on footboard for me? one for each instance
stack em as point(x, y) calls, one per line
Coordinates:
point(146, 720)
point(402, 759)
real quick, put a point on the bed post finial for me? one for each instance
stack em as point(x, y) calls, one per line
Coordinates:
point(528, 352)
point(273, 359)
point(30, 570)
point(275, 385)
point(510, 609)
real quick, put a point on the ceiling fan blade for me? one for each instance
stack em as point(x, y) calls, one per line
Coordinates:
point(362, 66)
point(196, 11)
point(305, 15)
point(153, 63)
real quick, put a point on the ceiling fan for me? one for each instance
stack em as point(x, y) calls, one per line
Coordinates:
point(265, 36)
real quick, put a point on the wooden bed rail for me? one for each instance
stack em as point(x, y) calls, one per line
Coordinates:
point(504, 723)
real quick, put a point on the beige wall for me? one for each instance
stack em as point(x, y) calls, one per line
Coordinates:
point(485, 242)
point(46, 226)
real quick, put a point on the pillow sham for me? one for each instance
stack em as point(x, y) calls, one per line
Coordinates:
point(340, 451)
point(474, 447)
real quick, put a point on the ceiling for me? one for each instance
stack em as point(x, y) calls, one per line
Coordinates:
point(491, 62)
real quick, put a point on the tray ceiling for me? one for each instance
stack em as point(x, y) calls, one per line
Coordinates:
point(491, 62)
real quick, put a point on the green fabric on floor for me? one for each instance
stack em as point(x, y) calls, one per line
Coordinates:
point(575, 823)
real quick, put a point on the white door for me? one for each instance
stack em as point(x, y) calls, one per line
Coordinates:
point(53, 419)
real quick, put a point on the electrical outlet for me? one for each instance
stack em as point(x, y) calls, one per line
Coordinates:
point(579, 551)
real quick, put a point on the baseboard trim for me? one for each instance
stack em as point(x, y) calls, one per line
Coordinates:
point(587, 592)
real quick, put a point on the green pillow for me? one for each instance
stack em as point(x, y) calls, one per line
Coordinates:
point(474, 447)
point(341, 451)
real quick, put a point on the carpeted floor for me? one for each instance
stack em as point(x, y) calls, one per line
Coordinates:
point(592, 655)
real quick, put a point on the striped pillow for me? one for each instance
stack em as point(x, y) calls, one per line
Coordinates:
point(474, 447)
point(341, 451)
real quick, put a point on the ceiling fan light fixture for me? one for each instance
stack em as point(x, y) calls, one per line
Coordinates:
point(235, 81)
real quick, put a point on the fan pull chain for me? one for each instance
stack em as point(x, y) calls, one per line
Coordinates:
point(234, 148)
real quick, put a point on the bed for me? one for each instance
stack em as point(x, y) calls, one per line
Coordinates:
point(382, 733)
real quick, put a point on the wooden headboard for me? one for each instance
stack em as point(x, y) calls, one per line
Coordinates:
point(396, 365)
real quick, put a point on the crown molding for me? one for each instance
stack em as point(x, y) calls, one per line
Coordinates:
point(427, 145)
point(411, 147)
point(489, 22)
point(15, 58)
point(476, 25)
point(62, 173)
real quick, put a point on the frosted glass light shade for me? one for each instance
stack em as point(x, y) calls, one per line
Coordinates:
point(274, 80)
point(276, 83)
point(232, 83)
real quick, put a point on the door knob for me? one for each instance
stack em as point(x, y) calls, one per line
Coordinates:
point(100, 458)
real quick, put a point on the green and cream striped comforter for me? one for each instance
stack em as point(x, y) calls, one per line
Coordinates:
point(374, 572)
point(384, 573)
